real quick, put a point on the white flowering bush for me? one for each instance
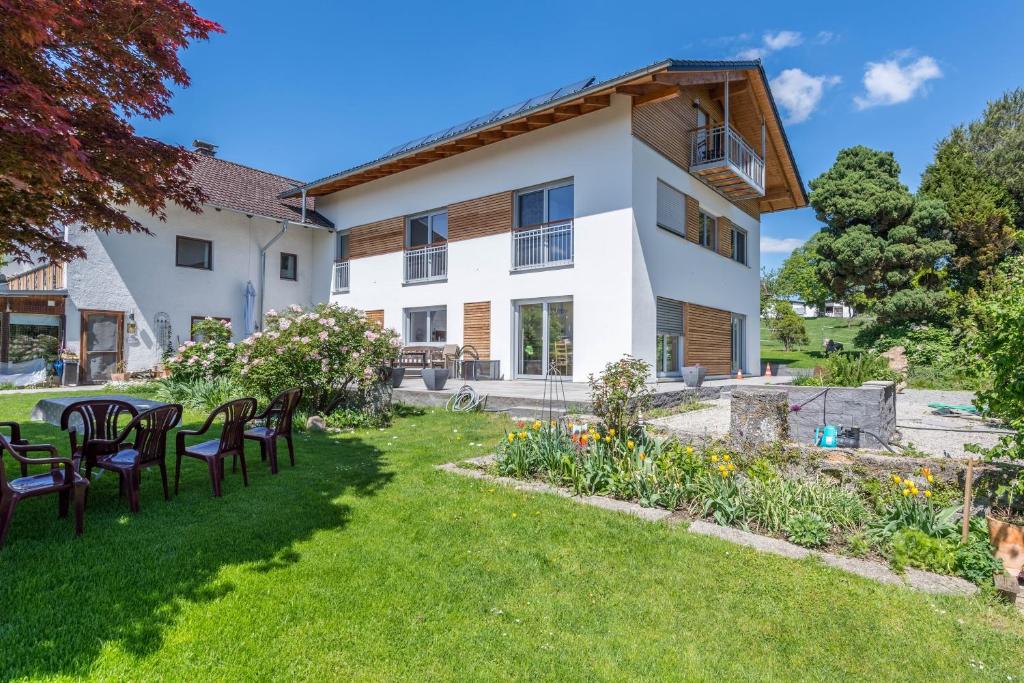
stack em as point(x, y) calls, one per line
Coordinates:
point(329, 351)
point(210, 358)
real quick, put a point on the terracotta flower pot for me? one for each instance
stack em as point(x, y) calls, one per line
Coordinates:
point(1008, 540)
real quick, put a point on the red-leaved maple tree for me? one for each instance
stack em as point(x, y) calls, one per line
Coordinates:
point(72, 73)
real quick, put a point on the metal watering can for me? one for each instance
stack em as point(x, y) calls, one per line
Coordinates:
point(826, 436)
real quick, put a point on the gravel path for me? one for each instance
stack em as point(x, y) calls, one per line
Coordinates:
point(918, 425)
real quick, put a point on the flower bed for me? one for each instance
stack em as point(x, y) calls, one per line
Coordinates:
point(909, 518)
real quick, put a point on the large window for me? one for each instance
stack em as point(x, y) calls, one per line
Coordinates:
point(708, 230)
point(548, 204)
point(427, 229)
point(426, 325)
point(289, 266)
point(671, 209)
point(33, 336)
point(739, 245)
point(669, 339)
point(341, 247)
point(194, 253)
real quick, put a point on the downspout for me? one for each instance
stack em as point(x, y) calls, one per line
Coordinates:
point(263, 267)
point(263, 256)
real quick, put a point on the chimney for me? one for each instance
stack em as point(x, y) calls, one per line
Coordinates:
point(205, 148)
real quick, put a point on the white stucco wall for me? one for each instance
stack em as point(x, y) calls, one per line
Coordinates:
point(596, 152)
point(666, 264)
point(137, 273)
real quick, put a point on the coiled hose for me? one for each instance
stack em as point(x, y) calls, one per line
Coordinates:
point(465, 400)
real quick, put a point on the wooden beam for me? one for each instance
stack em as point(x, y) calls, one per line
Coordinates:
point(661, 95)
point(698, 77)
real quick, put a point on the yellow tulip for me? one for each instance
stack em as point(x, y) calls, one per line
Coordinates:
point(906, 492)
point(612, 431)
point(511, 438)
point(714, 458)
point(536, 424)
point(927, 494)
point(607, 439)
point(896, 479)
point(930, 479)
point(630, 445)
point(726, 457)
point(689, 450)
point(731, 467)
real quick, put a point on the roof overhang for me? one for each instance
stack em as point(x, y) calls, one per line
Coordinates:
point(653, 83)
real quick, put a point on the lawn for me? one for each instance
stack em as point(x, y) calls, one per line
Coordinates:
point(818, 330)
point(364, 562)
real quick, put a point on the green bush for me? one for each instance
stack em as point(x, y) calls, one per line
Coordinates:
point(915, 548)
point(621, 393)
point(807, 529)
point(787, 326)
point(211, 357)
point(198, 393)
point(975, 562)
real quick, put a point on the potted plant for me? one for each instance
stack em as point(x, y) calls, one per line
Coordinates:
point(435, 378)
point(693, 376)
point(119, 374)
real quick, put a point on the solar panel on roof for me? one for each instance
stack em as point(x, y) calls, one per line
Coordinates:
point(496, 115)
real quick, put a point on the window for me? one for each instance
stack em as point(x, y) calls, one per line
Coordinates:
point(426, 325)
point(671, 209)
point(708, 231)
point(194, 253)
point(669, 339)
point(549, 204)
point(341, 247)
point(427, 229)
point(289, 266)
point(739, 245)
point(199, 318)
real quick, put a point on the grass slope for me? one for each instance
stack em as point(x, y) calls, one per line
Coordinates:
point(365, 563)
point(818, 330)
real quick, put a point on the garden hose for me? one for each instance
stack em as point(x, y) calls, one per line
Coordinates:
point(465, 400)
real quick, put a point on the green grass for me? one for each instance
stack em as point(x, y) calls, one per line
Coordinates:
point(366, 563)
point(818, 330)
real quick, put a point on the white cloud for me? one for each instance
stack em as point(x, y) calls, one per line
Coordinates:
point(824, 37)
point(780, 245)
point(772, 42)
point(896, 80)
point(799, 93)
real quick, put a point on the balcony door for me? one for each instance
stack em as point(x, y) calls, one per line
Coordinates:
point(426, 246)
point(544, 338)
point(102, 345)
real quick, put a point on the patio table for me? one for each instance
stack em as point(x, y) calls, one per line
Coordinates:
point(50, 409)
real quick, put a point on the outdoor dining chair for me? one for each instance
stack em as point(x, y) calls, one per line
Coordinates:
point(277, 425)
point(16, 440)
point(99, 427)
point(149, 449)
point(62, 479)
point(236, 415)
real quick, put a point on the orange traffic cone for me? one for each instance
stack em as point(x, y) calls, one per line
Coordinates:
point(768, 370)
point(739, 374)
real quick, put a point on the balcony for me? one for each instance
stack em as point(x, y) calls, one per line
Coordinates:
point(426, 264)
point(544, 246)
point(726, 161)
point(340, 283)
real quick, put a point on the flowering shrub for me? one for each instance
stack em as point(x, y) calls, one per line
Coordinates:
point(621, 393)
point(211, 357)
point(330, 351)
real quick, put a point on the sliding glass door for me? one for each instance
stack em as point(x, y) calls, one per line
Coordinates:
point(544, 338)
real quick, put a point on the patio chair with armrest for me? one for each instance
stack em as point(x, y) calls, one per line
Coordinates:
point(277, 424)
point(62, 479)
point(15, 440)
point(100, 418)
point(236, 415)
point(148, 450)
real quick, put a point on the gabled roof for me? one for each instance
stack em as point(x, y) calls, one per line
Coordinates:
point(648, 84)
point(229, 185)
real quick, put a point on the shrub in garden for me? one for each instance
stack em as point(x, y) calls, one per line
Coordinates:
point(197, 394)
point(908, 505)
point(210, 357)
point(915, 548)
point(807, 529)
point(621, 393)
point(334, 353)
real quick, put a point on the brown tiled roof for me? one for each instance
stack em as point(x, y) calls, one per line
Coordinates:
point(234, 186)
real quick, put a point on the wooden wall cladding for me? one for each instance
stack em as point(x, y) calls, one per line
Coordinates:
point(692, 219)
point(476, 327)
point(376, 316)
point(725, 237)
point(374, 239)
point(708, 338)
point(480, 217)
point(48, 276)
point(33, 304)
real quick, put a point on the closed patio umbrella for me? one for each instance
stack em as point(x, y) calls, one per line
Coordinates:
point(249, 308)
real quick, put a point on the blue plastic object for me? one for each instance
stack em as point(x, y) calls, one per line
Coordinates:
point(826, 436)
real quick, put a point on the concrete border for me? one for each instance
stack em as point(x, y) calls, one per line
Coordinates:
point(916, 579)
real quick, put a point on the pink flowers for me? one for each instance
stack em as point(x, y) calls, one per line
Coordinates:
point(370, 335)
point(323, 335)
point(285, 324)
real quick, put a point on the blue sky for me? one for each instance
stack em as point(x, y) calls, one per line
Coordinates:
point(307, 88)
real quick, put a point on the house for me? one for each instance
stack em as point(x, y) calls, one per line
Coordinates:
point(557, 234)
point(831, 309)
point(136, 296)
